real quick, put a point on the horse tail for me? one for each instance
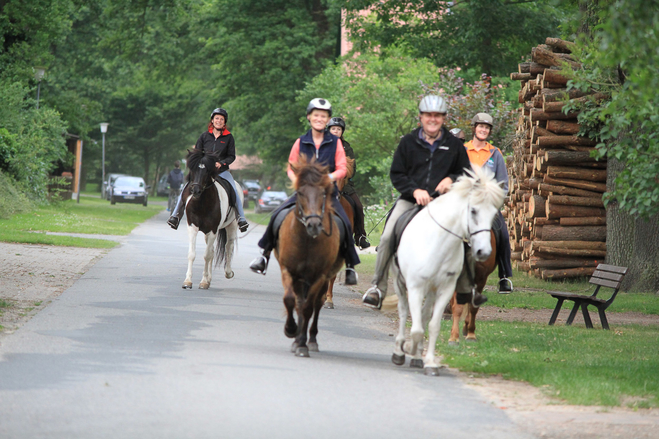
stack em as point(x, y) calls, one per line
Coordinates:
point(220, 246)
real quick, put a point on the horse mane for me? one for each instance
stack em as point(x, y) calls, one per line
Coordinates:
point(481, 186)
point(310, 172)
point(197, 156)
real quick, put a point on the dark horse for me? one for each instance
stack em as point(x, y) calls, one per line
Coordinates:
point(308, 253)
point(208, 211)
point(481, 272)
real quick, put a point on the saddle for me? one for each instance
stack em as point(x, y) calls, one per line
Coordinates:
point(400, 226)
point(228, 188)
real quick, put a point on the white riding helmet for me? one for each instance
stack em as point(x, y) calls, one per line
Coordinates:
point(319, 104)
point(433, 104)
point(483, 118)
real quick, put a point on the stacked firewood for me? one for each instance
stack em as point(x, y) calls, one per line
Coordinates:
point(555, 212)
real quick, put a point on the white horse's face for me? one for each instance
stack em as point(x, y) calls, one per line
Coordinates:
point(480, 220)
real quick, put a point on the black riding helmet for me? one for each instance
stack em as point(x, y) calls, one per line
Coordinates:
point(337, 122)
point(221, 112)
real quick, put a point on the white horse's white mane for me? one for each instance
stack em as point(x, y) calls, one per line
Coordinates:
point(480, 185)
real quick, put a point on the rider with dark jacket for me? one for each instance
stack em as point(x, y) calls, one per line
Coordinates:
point(327, 150)
point(337, 127)
point(427, 160)
point(218, 140)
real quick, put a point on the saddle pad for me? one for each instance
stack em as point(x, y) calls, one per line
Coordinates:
point(400, 225)
point(229, 190)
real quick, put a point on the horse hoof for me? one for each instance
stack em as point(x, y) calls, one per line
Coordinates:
point(417, 363)
point(302, 351)
point(313, 347)
point(329, 305)
point(290, 334)
point(471, 340)
point(203, 286)
point(293, 346)
point(398, 360)
point(229, 275)
point(454, 343)
point(187, 285)
point(431, 371)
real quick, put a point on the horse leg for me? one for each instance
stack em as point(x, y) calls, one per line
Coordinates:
point(415, 299)
point(290, 328)
point(430, 366)
point(329, 303)
point(470, 323)
point(313, 331)
point(192, 254)
point(208, 261)
point(456, 312)
point(398, 357)
point(305, 309)
point(232, 236)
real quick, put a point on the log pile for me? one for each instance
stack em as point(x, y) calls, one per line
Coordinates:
point(555, 213)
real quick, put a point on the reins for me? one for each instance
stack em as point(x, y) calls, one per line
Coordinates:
point(304, 219)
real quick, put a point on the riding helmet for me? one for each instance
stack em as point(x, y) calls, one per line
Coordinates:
point(483, 118)
point(319, 104)
point(221, 112)
point(433, 104)
point(456, 132)
point(337, 122)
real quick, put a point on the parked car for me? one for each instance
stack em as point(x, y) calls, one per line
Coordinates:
point(269, 201)
point(253, 188)
point(126, 189)
point(162, 190)
point(109, 180)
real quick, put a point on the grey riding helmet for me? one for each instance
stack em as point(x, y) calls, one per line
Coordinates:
point(319, 104)
point(483, 118)
point(221, 112)
point(433, 104)
point(337, 122)
point(457, 132)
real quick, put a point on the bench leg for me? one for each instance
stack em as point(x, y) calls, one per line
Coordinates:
point(573, 313)
point(554, 315)
point(605, 323)
point(586, 316)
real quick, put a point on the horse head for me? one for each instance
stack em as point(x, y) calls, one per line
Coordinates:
point(314, 191)
point(484, 199)
point(202, 168)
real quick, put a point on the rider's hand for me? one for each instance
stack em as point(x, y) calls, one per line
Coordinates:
point(422, 197)
point(444, 185)
point(218, 165)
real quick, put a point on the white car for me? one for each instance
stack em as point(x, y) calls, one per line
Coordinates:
point(128, 189)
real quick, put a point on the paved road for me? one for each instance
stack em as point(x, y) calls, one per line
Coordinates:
point(126, 353)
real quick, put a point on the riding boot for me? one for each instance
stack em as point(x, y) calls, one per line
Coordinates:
point(260, 264)
point(351, 275)
point(373, 297)
point(174, 220)
point(363, 242)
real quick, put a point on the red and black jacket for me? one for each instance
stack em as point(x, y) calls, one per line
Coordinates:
point(224, 145)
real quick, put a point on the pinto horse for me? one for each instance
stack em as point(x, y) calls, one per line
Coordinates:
point(481, 272)
point(430, 258)
point(208, 211)
point(308, 253)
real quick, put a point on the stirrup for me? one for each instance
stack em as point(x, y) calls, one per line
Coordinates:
point(243, 225)
point(349, 278)
point(508, 288)
point(259, 265)
point(369, 301)
point(173, 222)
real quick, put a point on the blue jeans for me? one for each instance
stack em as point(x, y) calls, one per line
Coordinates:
point(226, 175)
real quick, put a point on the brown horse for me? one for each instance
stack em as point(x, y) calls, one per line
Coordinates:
point(308, 253)
point(329, 300)
point(481, 272)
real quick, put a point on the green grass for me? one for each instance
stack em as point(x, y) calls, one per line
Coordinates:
point(91, 216)
point(5, 304)
point(578, 365)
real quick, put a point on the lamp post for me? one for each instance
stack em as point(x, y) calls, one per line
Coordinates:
point(104, 129)
point(39, 73)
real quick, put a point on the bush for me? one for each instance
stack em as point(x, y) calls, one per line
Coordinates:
point(12, 200)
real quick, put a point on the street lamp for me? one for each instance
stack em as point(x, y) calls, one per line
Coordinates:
point(104, 129)
point(39, 73)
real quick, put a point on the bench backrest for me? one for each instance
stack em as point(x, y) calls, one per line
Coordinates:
point(608, 276)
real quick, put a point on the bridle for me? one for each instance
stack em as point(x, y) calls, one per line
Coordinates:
point(465, 239)
point(204, 186)
point(304, 219)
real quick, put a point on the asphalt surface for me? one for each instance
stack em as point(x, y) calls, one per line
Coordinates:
point(126, 353)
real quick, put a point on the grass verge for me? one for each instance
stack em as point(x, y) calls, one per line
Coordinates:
point(577, 365)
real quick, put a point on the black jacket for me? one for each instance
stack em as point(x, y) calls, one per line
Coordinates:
point(414, 166)
point(224, 145)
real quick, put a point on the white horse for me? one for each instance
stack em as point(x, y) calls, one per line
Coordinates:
point(430, 258)
point(208, 211)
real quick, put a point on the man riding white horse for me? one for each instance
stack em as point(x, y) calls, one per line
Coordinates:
point(427, 160)
point(217, 139)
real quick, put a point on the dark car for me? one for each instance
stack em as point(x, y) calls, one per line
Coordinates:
point(163, 187)
point(127, 189)
point(269, 201)
point(253, 188)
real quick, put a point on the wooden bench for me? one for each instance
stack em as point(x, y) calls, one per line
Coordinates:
point(608, 276)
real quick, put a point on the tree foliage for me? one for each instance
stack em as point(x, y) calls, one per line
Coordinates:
point(487, 35)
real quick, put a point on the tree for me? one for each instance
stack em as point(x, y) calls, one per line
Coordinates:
point(487, 35)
